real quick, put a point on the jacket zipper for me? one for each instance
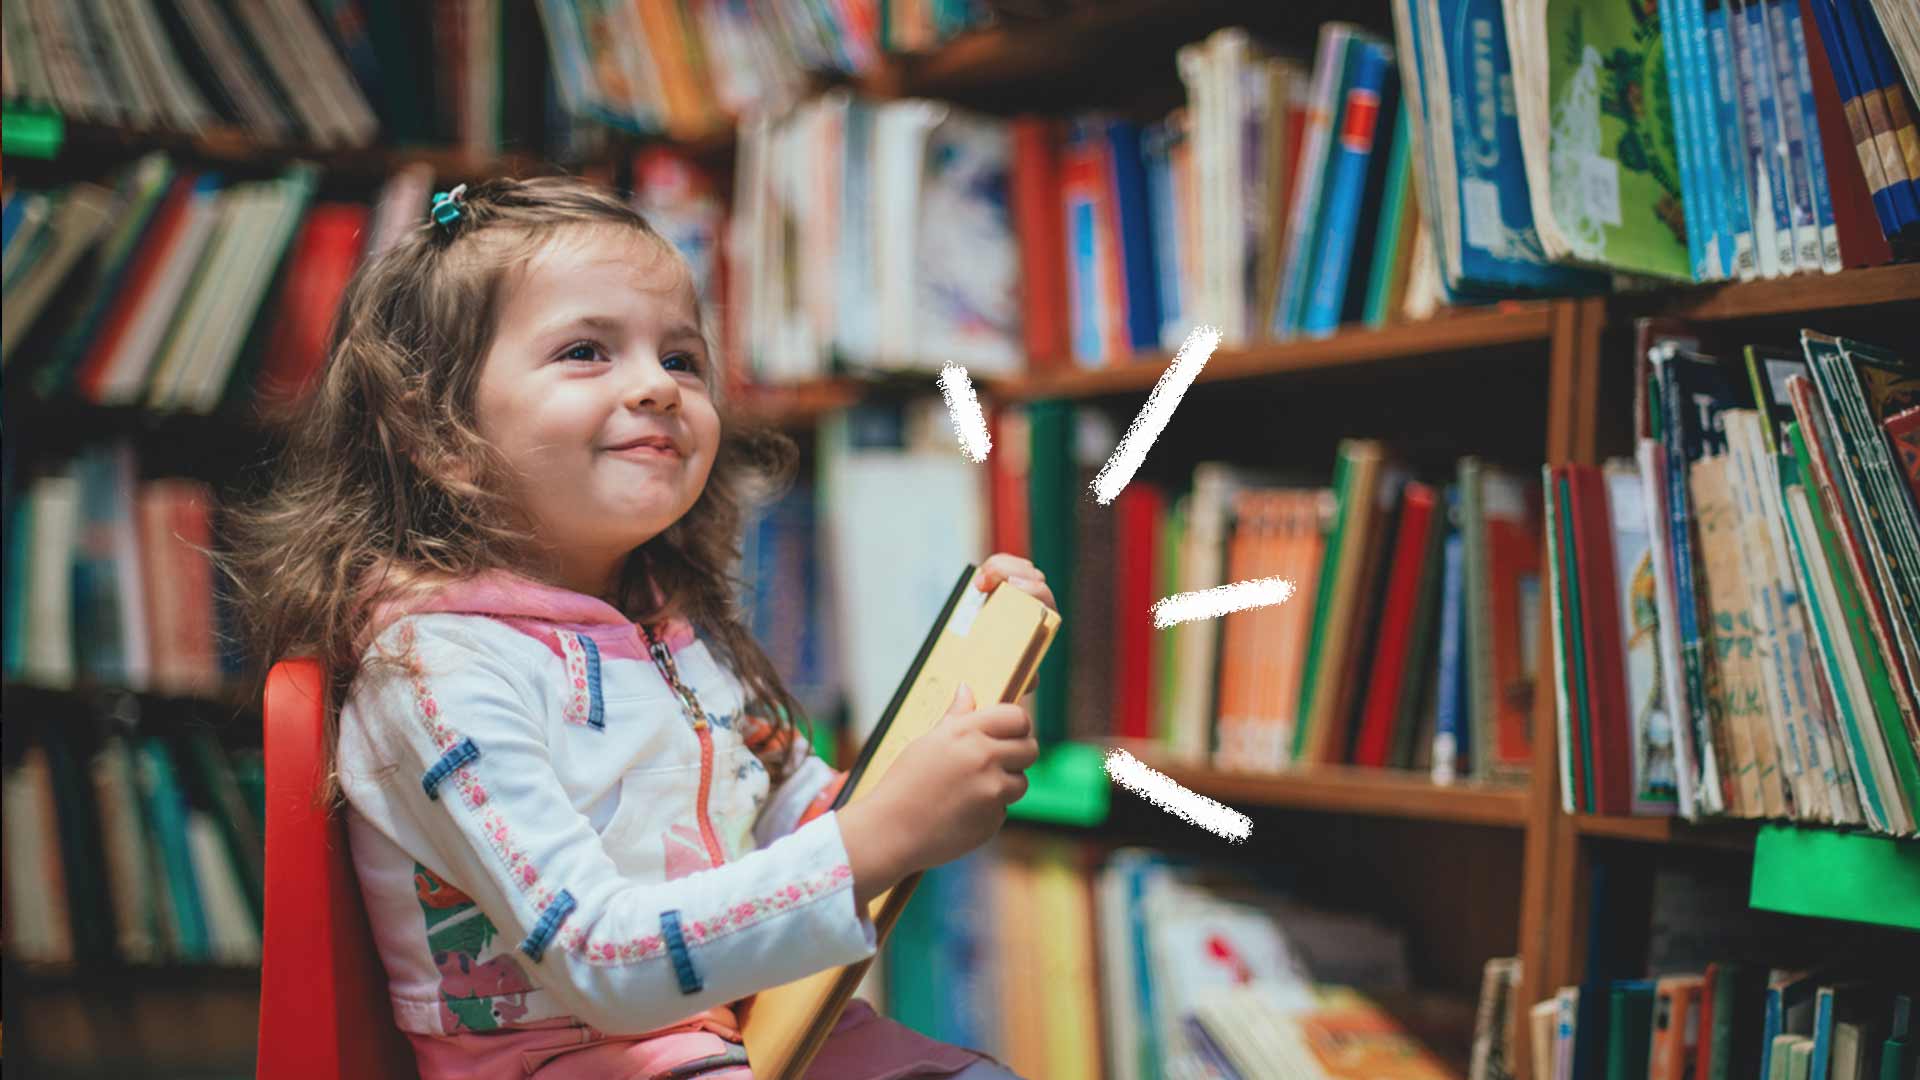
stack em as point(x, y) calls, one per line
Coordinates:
point(663, 659)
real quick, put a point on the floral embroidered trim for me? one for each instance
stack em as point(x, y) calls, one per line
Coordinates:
point(582, 660)
point(523, 874)
point(737, 917)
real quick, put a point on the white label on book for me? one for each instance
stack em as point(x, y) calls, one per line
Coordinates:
point(967, 610)
point(1600, 188)
point(1484, 228)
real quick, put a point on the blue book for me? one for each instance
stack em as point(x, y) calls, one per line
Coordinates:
point(1695, 202)
point(1840, 58)
point(1450, 723)
point(1793, 148)
point(1702, 99)
point(1338, 49)
point(166, 816)
point(1081, 190)
point(1790, 1010)
point(1877, 69)
point(1353, 150)
point(1767, 139)
point(1389, 137)
point(1730, 144)
point(1830, 259)
point(1497, 251)
point(1136, 235)
point(1163, 214)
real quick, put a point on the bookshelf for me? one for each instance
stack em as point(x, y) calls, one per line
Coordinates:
point(1571, 346)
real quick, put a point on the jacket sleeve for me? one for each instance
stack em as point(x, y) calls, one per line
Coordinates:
point(806, 792)
point(467, 769)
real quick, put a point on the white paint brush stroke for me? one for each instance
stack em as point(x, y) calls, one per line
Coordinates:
point(964, 407)
point(1153, 416)
point(1161, 790)
point(1215, 602)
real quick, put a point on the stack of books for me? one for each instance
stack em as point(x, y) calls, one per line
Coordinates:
point(1734, 611)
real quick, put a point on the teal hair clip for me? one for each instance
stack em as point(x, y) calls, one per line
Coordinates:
point(448, 206)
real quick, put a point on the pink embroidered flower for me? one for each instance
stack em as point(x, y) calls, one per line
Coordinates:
point(528, 875)
point(793, 892)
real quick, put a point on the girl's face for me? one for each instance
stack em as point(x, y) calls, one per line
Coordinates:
point(596, 390)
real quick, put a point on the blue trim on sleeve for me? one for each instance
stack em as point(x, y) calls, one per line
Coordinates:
point(457, 755)
point(690, 982)
point(557, 911)
point(596, 709)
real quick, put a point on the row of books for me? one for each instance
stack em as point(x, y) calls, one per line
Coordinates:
point(271, 67)
point(1734, 610)
point(1690, 139)
point(1733, 1020)
point(133, 849)
point(1063, 962)
point(108, 584)
point(905, 234)
point(172, 288)
point(1407, 641)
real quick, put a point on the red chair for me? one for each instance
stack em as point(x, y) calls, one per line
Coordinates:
point(323, 994)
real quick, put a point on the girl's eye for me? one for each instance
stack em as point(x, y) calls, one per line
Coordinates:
point(583, 351)
point(680, 361)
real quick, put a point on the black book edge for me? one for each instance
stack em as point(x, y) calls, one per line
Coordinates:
point(906, 683)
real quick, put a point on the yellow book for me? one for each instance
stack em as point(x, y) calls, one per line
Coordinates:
point(991, 642)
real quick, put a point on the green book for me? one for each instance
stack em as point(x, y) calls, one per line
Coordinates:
point(1581, 722)
point(1052, 490)
point(1391, 240)
point(1166, 645)
point(1896, 1054)
point(1354, 470)
point(1890, 766)
point(1629, 1028)
point(166, 814)
point(1739, 1003)
point(1613, 198)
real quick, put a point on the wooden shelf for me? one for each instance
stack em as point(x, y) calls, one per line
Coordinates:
point(1782, 296)
point(1719, 832)
point(1394, 793)
point(801, 404)
point(236, 147)
point(1512, 323)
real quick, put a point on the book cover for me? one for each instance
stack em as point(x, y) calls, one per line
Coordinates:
point(1903, 434)
point(1367, 89)
point(1861, 233)
point(1650, 720)
point(1609, 739)
point(1676, 1027)
point(1615, 187)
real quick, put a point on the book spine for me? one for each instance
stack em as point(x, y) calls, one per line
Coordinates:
point(1879, 117)
point(1352, 149)
point(1695, 199)
point(1448, 724)
point(1794, 161)
point(1816, 150)
point(1651, 458)
point(1679, 525)
point(1729, 125)
point(1773, 138)
point(1697, 74)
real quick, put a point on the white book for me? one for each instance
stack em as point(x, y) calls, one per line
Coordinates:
point(38, 927)
point(75, 220)
point(1202, 566)
point(232, 227)
point(325, 68)
point(136, 92)
point(251, 99)
point(901, 131)
point(49, 656)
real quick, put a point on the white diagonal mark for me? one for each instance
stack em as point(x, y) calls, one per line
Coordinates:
point(1163, 791)
point(1215, 602)
point(1153, 416)
point(964, 407)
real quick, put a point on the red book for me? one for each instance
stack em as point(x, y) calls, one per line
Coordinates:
point(1903, 431)
point(1137, 514)
point(324, 258)
point(1007, 481)
point(1411, 550)
point(1861, 241)
point(1038, 219)
point(1703, 1063)
point(159, 239)
point(1605, 654)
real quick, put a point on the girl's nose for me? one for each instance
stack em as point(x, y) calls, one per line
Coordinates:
point(652, 385)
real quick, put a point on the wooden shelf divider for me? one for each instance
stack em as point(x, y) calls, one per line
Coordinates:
point(1394, 793)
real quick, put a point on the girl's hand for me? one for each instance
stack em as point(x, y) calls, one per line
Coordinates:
point(947, 794)
point(1022, 574)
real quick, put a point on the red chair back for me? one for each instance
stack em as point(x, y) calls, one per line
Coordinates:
point(324, 1010)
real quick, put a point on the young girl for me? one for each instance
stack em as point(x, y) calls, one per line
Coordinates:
point(585, 827)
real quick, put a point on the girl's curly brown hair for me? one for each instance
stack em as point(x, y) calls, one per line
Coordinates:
point(386, 484)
